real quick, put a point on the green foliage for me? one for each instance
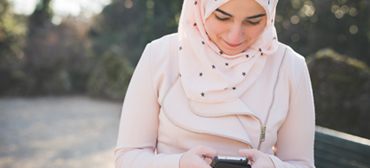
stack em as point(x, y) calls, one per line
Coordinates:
point(310, 25)
point(73, 45)
point(42, 13)
point(12, 34)
point(37, 57)
point(125, 27)
point(341, 87)
point(57, 57)
point(62, 62)
point(110, 77)
point(131, 24)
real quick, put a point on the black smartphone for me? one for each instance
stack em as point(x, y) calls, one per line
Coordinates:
point(230, 162)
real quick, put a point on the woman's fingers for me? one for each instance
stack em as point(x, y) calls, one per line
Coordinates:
point(195, 157)
point(249, 153)
point(206, 152)
point(257, 158)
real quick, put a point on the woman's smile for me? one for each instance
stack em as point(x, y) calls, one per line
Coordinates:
point(232, 45)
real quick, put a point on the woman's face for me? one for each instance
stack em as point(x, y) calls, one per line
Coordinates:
point(237, 24)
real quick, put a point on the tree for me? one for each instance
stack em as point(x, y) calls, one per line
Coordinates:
point(130, 24)
point(120, 33)
point(46, 63)
point(341, 88)
point(310, 25)
point(12, 40)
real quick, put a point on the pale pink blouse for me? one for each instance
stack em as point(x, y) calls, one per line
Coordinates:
point(158, 122)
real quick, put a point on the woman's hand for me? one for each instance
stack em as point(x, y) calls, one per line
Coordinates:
point(195, 157)
point(257, 158)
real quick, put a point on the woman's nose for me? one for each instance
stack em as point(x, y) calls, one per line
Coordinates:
point(235, 34)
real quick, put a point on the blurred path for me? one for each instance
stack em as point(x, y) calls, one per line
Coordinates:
point(58, 132)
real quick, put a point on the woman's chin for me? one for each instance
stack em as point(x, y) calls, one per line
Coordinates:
point(232, 52)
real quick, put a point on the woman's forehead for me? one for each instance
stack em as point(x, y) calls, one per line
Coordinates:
point(245, 6)
point(241, 9)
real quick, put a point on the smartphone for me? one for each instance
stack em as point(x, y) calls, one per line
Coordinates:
point(230, 162)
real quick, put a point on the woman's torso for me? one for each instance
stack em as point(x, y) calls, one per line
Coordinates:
point(230, 126)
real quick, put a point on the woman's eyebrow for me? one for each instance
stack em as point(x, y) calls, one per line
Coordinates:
point(251, 17)
point(256, 16)
point(223, 12)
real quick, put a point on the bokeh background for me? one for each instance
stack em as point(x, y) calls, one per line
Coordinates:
point(69, 48)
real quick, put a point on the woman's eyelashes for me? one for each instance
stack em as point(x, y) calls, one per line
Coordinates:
point(254, 23)
point(246, 21)
point(222, 19)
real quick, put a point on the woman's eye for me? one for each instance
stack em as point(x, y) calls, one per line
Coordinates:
point(254, 23)
point(222, 19)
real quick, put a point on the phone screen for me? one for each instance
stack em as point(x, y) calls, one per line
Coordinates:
point(230, 162)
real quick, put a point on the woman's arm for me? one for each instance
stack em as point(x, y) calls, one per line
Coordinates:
point(139, 122)
point(295, 138)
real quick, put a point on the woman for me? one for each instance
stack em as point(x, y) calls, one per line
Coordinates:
point(223, 85)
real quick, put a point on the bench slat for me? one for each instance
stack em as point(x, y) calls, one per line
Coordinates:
point(336, 149)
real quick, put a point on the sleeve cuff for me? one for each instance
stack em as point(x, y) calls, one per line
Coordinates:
point(173, 161)
point(276, 161)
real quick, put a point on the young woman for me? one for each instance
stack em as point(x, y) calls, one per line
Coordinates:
point(222, 85)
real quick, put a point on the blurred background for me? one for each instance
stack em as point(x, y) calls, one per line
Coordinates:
point(83, 52)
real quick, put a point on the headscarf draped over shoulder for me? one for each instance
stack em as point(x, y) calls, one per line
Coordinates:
point(207, 74)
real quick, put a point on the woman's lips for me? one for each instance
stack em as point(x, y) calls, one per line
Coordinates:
point(232, 45)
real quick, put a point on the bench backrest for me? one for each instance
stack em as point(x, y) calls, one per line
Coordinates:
point(337, 149)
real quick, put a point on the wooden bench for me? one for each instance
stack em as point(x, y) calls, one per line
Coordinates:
point(334, 149)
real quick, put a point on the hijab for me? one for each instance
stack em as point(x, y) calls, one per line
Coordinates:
point(207, 74)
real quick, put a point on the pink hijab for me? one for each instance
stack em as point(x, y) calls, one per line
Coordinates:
point(207, 74)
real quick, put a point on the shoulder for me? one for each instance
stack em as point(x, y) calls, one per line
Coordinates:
point(293, 63)
point(164, 44)
point(293, 67)
point(161, 49)
point(161, 57)
point(292, 60)
point(166, 39)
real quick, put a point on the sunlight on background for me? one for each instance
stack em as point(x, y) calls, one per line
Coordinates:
point(62, 8)
point(23, 7)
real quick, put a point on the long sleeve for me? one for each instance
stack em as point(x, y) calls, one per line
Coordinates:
point(139, 122)
point(295, 138)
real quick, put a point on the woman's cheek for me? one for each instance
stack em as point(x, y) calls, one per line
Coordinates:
point(255, 32)
point(218, 29)
point(213, 28)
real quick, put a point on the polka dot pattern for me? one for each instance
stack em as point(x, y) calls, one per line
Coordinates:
point(207, 72)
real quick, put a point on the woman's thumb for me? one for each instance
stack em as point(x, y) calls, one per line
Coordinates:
point(207, 152)
point(249, 153)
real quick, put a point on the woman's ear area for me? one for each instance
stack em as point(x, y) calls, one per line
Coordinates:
point(207, 22)
point(265, 6)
